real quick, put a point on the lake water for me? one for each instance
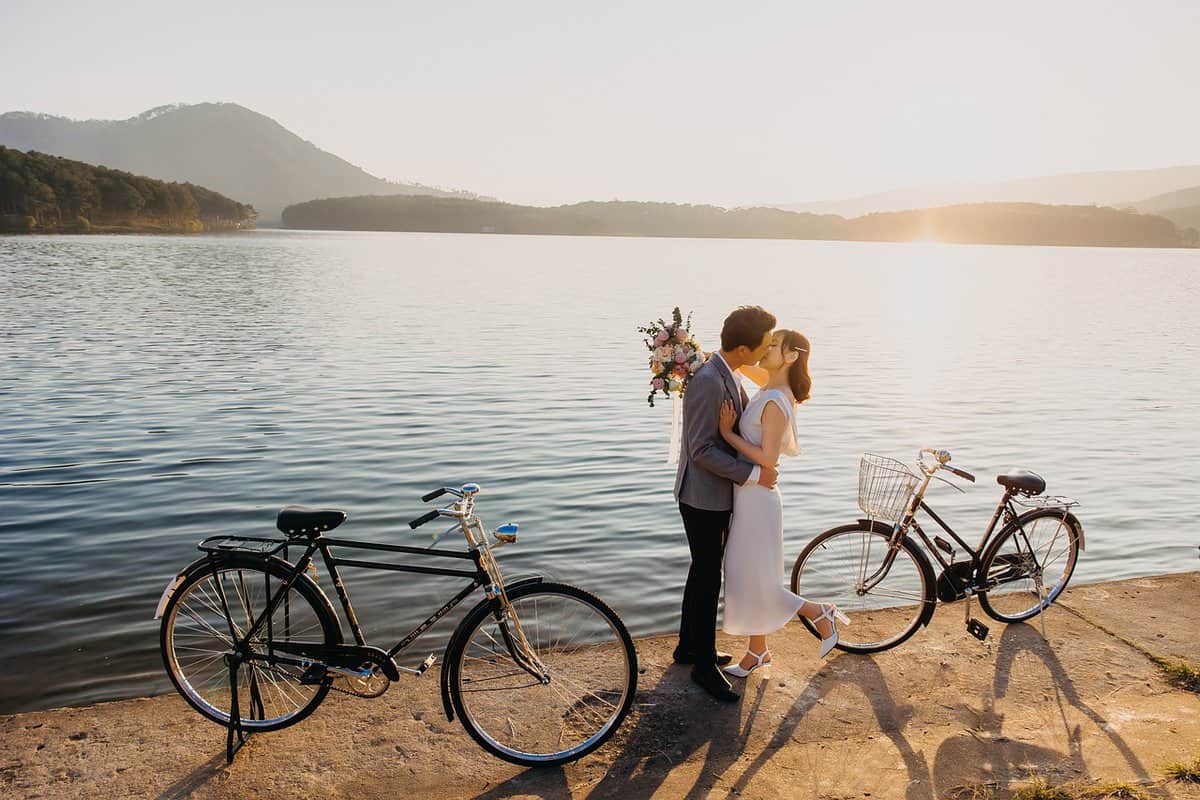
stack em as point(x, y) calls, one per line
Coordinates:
point(157, 390)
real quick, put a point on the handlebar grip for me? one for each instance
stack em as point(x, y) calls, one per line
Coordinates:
point(435, 493)
point(962, 473)
point(421, 520)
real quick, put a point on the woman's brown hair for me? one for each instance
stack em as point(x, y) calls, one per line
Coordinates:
point(798, 377)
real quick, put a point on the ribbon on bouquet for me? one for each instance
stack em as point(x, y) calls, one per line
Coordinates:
point(676, 424)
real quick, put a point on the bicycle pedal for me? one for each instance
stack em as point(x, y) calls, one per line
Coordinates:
point(419, 671)
point(314, 675)
point(977, 629)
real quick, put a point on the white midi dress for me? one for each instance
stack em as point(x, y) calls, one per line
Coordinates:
point(756, 602)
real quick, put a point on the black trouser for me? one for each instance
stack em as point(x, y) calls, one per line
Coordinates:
point(706, 532)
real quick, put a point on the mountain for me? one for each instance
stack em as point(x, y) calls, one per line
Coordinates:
point(1181, 207)
point(1117, 188)
point(988, 223)
point(228, 148)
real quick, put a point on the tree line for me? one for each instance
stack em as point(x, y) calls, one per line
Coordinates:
point(40, 192)
point(982, 223)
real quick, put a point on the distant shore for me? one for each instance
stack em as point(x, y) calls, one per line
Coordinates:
point(981, 223)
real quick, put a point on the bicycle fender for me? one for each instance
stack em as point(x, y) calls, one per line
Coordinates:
point(1068, 517)
point(203, 563)
point(445, 676)
point(1074, 520)
point(173, 584)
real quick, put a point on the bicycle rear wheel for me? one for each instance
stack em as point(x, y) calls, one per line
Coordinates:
point(837, 566)
point(195, 637)
point(1041, 544)
point(588, 655)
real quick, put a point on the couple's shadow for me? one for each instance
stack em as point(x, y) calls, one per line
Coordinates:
point(675, 721)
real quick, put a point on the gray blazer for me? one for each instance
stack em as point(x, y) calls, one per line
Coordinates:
point(708, 465)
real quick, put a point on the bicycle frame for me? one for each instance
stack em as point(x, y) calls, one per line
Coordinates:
point(908, 521)
point(486, 573)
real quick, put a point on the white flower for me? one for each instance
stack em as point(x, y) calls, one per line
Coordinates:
point(675, 384)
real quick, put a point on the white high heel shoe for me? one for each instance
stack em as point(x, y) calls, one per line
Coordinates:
point(830, 612)
point(736, 671)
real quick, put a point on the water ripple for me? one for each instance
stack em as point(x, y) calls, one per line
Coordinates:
point(154, 393)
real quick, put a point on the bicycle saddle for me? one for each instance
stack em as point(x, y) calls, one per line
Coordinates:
point(1023, 481)
point(298, 519)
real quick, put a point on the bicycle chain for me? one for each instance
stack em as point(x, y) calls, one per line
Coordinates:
point(334, 680)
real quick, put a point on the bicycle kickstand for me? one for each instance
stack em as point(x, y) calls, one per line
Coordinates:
point(235, 716)
point(1041, 590)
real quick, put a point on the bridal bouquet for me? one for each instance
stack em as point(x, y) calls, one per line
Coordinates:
point(674, 355)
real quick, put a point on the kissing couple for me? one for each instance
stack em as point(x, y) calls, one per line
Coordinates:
point(732, 512)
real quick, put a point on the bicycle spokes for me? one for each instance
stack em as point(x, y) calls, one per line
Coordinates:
point(586, 676)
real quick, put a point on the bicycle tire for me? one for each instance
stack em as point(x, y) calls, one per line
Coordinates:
point(201, 681)
point(538, 707)
point(1003, 562)
point(868, 613)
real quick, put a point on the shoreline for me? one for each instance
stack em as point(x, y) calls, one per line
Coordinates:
point(939, 712)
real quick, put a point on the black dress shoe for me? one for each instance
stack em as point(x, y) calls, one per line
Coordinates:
point(686, 657)
point(712, 681)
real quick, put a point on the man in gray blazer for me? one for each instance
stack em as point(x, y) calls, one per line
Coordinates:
point(708, 469)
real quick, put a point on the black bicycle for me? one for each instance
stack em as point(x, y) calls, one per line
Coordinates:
point(539, 673)
point(876, 571)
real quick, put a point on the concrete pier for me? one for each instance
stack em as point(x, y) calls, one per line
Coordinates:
point(943, 715)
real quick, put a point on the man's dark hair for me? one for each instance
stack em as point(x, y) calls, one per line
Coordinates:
point(746, 325)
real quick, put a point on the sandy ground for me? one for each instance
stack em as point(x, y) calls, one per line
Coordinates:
point(940, 712)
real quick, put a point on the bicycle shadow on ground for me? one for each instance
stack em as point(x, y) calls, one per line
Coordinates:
point(196, 779)
point(863, 674)
point(1011, 760)
point(670, 723)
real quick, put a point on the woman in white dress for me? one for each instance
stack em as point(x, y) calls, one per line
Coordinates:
point(756, 602)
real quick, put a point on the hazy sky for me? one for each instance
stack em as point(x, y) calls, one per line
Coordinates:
point(730, 103)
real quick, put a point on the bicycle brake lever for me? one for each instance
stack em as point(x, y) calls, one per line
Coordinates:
point(948, 483)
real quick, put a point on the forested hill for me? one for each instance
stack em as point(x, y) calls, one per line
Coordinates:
point(41, 193)
point(987, 223)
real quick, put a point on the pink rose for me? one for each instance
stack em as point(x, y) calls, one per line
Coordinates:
point(661, 338)
point(680, 357)
point(681, 335)
point(657, 383)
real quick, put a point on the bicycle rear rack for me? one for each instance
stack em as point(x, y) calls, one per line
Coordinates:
point(254, 545)
point(1045, 501)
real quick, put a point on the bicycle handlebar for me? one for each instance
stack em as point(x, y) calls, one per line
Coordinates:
point(943, 459)
point(962, 473)
point(434, 494)
point(421, 520)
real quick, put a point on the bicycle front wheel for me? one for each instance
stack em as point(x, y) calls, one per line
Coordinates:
point(888, 592)
point(590, 662)
point(1029, 564)
point(195, 638)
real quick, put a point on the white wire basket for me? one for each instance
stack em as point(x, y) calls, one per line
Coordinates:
point(885, 487)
